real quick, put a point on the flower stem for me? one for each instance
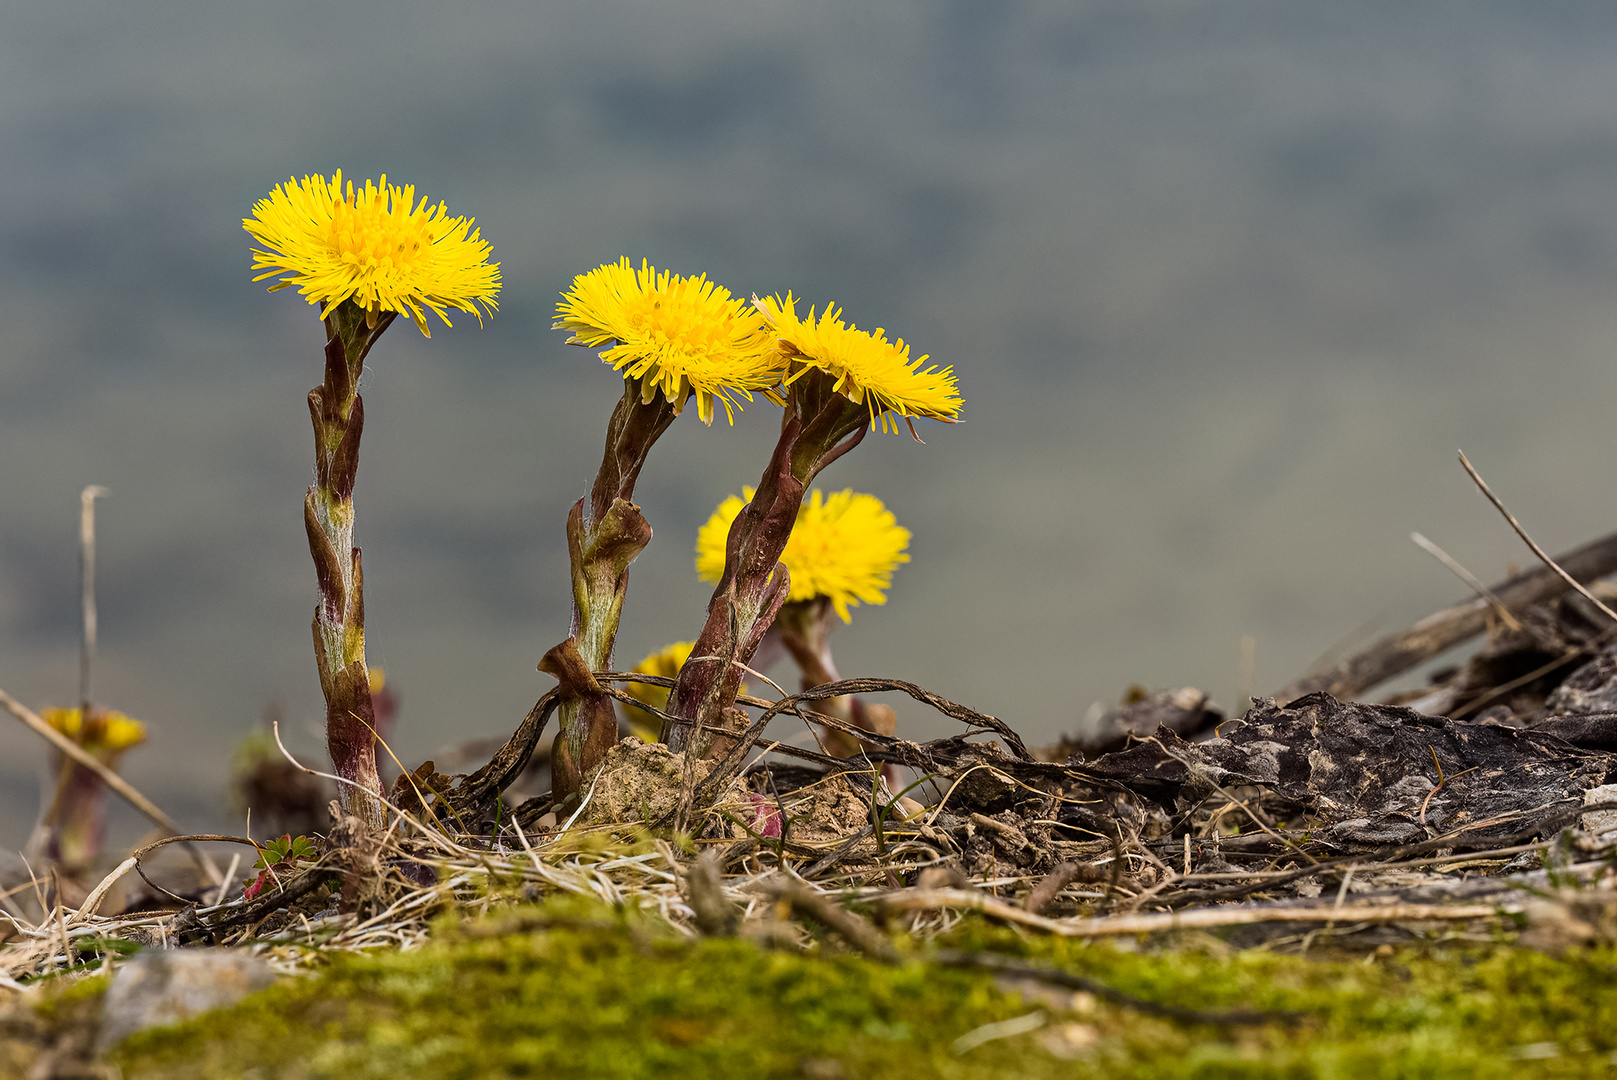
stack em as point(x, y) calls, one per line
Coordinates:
point(605, 533)
point(820, 426)
point(76, 820)
point(338, 413)
point(804, 628)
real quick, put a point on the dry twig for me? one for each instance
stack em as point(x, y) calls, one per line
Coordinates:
point(1442, 630)
point(1530, 542)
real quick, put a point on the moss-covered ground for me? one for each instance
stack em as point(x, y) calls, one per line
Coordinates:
point(570, 990)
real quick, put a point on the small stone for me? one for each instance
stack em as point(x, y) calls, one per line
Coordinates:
point(1070, 1041)
point(828, 812)
point(637, 782)
point(155, 988)
point(987, 790)
point(1601, 824)
point(947, 876)
point(1590, 689)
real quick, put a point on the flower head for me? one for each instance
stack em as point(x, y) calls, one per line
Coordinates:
point(844, 546)
point(375, 246)
point(869, 370)
point(665, 662)
point(108, 734)
point(678, 335)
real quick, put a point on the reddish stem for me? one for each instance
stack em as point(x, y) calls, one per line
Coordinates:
point(338, 414)
point(820, 426)
point(605, 533)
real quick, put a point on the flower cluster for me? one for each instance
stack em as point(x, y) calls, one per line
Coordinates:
point(844, 546)
point(363, 254)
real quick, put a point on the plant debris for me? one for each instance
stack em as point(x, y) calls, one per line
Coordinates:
point(1310, 820)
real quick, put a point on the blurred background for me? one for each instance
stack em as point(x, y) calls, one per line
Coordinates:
point(1225, 284)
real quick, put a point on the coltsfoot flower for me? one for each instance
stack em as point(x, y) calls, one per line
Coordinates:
point(108, 734)
point(676, 335)
point(373, 245)
point(869, 369)
point(844, 546)
point(75, 820)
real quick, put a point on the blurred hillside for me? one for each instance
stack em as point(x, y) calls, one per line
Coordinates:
point(1225, 285)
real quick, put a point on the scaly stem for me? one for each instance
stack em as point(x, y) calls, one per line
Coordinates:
point(605, 533)
point(74, 825)
point(804, 628)
point(820, 426)
point(77, 820)
point(338, 413)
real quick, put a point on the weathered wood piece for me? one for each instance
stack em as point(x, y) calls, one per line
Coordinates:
point(1371, 775)
point(1397, 653)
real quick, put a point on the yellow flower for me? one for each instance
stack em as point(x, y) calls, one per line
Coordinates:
point(844, 546)
point(665, 662)
point(108, 734)
point(869, 369)
point(375, 246)
point(675, 334)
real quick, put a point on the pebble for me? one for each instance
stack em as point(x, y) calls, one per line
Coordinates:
point(1601, 823)
point(153, 988)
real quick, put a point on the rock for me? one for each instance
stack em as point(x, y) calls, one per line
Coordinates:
point(154, 988)
point(637, 782)
point(987, 791)
point(1601, 824)
point(828, 813)
point(1590, 689)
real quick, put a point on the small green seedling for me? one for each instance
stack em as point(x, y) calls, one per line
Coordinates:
point(282, 856)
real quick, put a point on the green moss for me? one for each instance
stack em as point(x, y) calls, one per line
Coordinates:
point(573, 990)
point(68, 999)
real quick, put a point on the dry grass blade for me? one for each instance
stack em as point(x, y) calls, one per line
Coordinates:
point(1442, 630)
point(93, 901)
point(1530, 542)
point(1469, 578)
point(1200, 919)
point(1208, 918)
point(1391, 857)
point(968, 900)
point(833, 916)
point(1478, 703)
